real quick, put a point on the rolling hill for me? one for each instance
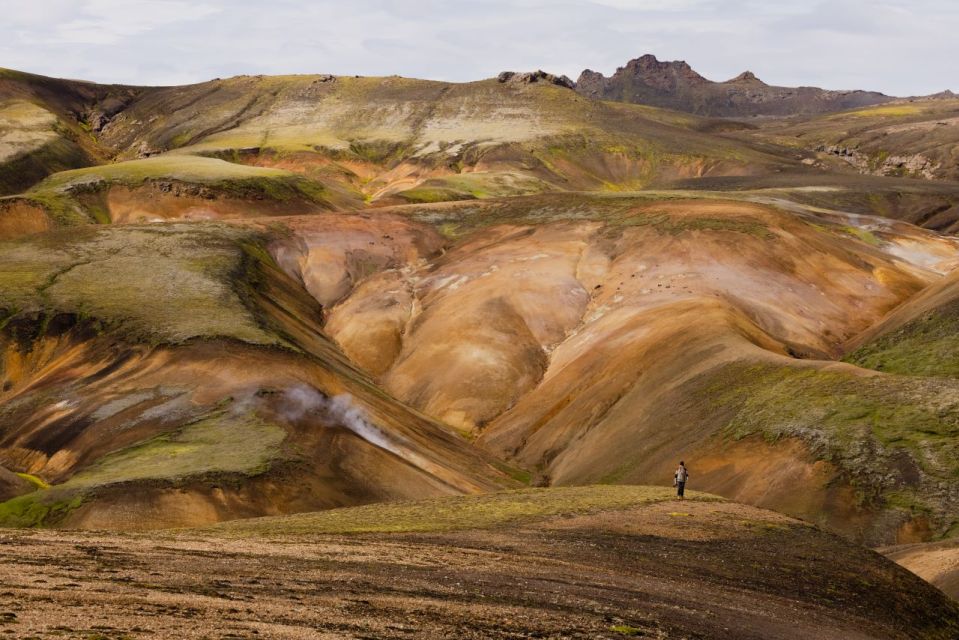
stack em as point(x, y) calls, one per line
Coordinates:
point(599, 562)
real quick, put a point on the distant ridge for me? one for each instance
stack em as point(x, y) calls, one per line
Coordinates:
point(675, 85)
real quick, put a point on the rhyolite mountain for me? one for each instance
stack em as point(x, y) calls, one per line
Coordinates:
point(263, 295)
point(675, 85)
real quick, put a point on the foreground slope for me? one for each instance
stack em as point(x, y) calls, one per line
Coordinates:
point(596, 562)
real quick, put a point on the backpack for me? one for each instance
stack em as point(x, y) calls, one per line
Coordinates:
point(681, 474)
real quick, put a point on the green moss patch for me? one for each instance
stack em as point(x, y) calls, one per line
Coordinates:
point(71, 196)
point(34, 480)
point(927, 346)
point(863, 234)
point(194, 169)
point(37, 509)
point(157, 283)
point(477, 185)
point(626, 630)
point(219, 444)
point(895, 438)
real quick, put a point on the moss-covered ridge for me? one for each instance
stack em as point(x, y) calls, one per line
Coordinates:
point(921, 338)
point(222, 445)
point(82, 195)
point(156, 284)
point(894, 438)
point(926, 346)
point(34, 142)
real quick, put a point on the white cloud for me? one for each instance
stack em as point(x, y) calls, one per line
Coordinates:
point(107, 22)
point(894, 46)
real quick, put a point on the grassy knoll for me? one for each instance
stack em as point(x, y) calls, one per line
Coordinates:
point(71, 196)
point(461, 512)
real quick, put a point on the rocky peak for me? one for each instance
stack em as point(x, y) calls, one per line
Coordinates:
point(675, 85)
point(532, 77)
point(591, 83)
point(661, 74)
point(747, 77)
point(948, 94)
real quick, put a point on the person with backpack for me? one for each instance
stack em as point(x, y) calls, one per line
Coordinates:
point(680, 478)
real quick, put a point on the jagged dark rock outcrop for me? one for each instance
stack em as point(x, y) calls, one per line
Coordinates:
point(675, 85)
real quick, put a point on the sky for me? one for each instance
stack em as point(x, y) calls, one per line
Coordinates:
point(898, 47)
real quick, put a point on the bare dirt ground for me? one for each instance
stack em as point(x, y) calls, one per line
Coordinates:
point(662, 570)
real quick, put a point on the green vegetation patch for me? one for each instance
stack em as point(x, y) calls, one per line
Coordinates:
point(34, 480)
point(884, 111)
point(155, 283)
point(886, 433)
point(627, 630)
point(71, 196)
point(477, 185)
point(187, 168)
point(617, 211)
point(461, 512)
point(427, 194)
point(927, 346)
point(863, 234)
point(40, 508)
point(219, 444)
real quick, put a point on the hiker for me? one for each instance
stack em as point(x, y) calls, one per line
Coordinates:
point(680, 478)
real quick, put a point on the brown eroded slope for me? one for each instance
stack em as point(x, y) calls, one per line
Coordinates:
point(600, 338)
point(199, 389)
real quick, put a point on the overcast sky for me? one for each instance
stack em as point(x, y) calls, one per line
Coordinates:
point(899, 47)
